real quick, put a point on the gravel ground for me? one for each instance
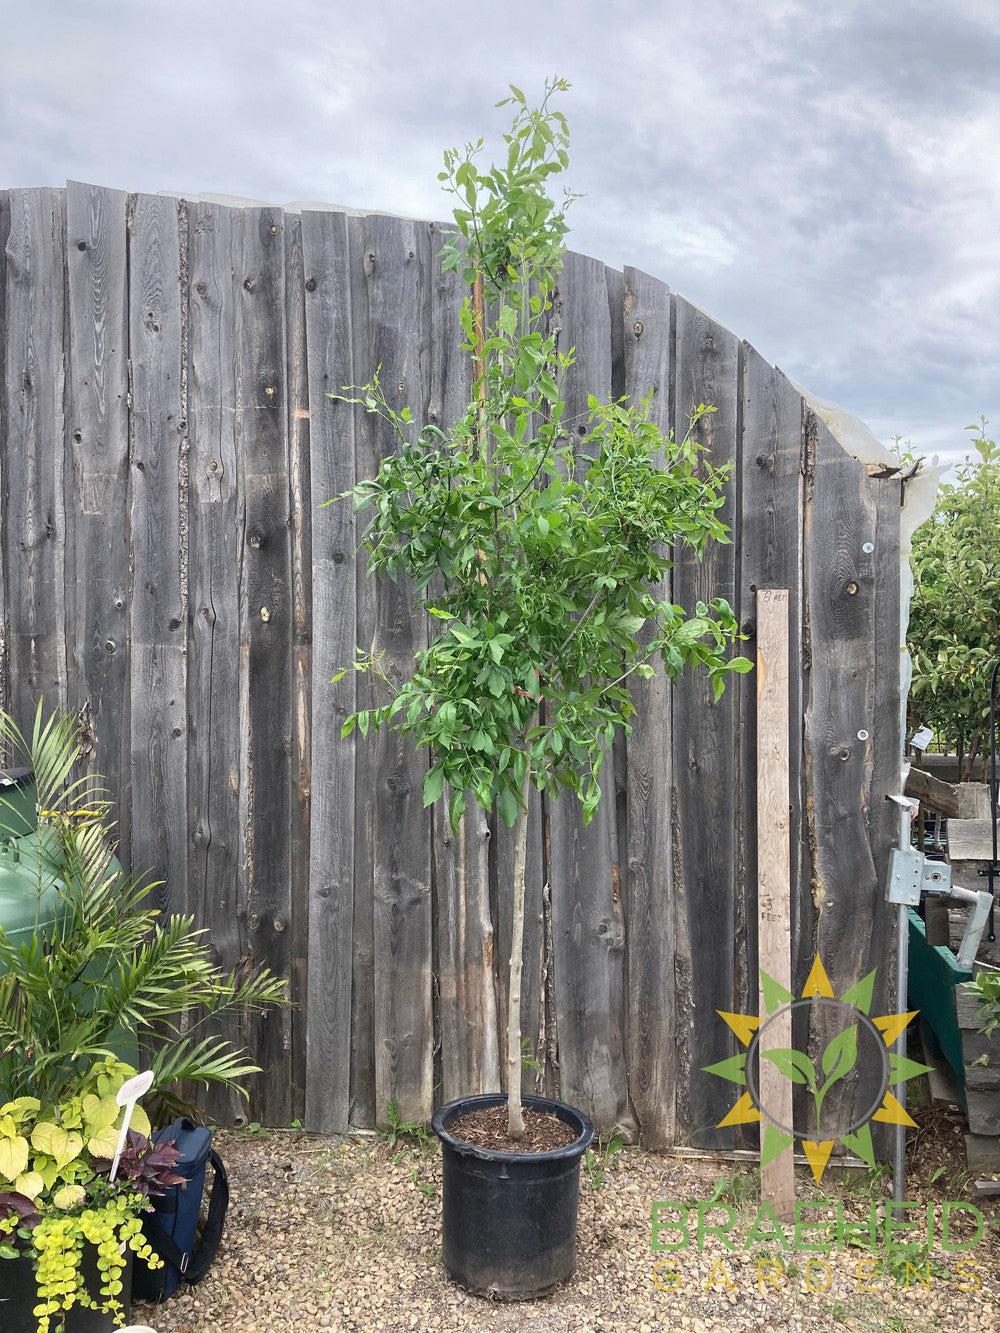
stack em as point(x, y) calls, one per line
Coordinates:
point(345, 1236)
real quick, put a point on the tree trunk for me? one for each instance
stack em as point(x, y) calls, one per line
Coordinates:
point(515, 1118)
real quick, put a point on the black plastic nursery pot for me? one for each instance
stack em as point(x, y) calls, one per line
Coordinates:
point(509, 1219)
point(19, 1296)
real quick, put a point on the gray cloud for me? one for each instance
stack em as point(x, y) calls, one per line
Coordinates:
point(826, 183)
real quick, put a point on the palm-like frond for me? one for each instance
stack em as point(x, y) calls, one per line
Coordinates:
point(105, 965)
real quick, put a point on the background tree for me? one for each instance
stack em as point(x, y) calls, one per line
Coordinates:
point(954, 632)
point(537, 542)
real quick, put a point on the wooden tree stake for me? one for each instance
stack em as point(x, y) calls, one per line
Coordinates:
point(777, 1179)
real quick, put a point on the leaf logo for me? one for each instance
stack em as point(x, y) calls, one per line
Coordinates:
point(836, 1063)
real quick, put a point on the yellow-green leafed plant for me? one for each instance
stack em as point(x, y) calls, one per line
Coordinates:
point(56, 1196)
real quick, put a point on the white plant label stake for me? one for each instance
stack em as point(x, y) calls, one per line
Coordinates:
point(128, 1094)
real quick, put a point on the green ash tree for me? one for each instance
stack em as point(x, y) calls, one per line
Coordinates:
point(537, 543)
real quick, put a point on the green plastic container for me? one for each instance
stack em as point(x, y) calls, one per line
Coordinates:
point(933, 979)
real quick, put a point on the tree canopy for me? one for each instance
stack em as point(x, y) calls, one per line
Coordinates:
point(954, 633)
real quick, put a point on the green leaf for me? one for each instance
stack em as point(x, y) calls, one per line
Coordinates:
point(507, 807)
point(433, 785)
point(794, 1065)
point(841, 1055)
point(13, 1157)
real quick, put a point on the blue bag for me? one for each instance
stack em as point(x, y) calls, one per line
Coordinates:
point(172, 1229)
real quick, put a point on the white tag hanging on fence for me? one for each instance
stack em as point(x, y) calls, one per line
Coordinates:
point(921, 738)
point(128, 1094)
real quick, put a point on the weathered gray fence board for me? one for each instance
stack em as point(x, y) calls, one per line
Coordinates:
point(214, 543)
point(469, 1042)
point(300, 516)
point(397, 262)
point(34, 527)
point(334, 639)
point(587, 920)
point(265, 625)
point(237, 598)
point(97, 473)
point(883, 756)
point(842, 560)
point(157, 621)
point(770, 554)
point(651, 944)
point(704, 753)
point(363, 1038)
point(4, 489)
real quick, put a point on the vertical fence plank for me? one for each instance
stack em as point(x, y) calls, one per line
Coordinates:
point(774, 903)
point(650, 939)
point(587, 919)
point(4, 453)
point(363, 1027)
point(396, 259)
point(840, 719)
point(157, 613)
point(770, 556)
point(334, 638)
point(214, 542)
point(467, 1006)
point(300, 515)
point(33, 520)
point(704, 754)
point(97, 477)
point(265, 628)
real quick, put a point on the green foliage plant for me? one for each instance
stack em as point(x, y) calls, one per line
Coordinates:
point(107, 967)
point(99, 971)
point(954, 632)
point(539, 544)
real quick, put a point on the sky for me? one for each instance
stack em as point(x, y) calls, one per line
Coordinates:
point(822, 178)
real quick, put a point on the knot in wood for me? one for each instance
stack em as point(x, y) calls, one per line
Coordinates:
point(201, 288)
point(109, 645)
point(249, 284)
point(338, 557)
point(279, 924)
point(310, 284)
point(265, 614)
point(81, 245)
point(852, 589)
point(637, 328)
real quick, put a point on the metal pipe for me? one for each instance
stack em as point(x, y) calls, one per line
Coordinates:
point(902, 972)
point(991, 879)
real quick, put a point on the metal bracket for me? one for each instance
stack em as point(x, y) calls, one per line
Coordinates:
point(911, 874)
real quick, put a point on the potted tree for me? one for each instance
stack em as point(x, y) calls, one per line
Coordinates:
point(540, 546)
point(99, 973)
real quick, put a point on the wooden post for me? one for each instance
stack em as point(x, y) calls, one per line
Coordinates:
point(777, 1179)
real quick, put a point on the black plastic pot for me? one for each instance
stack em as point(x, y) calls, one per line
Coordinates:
point(510, 1218)
point(19, 1296)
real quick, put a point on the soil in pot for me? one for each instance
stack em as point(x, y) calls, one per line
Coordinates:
point(509, 1208)
point(486, 1127)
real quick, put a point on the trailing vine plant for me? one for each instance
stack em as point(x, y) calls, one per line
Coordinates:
point(539, 544)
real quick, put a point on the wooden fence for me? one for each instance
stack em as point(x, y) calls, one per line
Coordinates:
point(168, 571)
